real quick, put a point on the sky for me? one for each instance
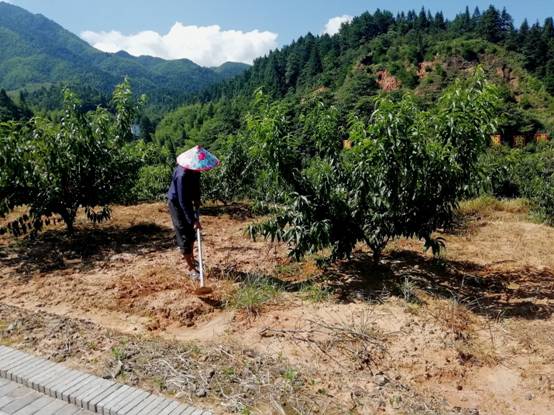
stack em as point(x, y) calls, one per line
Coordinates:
point(210, 32)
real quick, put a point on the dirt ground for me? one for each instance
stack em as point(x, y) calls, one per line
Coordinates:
point(469, 333)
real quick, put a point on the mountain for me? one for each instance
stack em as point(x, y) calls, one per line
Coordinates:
point(382, 53)
point(37, 52)
point(398, 44)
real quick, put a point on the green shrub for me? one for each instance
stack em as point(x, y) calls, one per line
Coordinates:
point(152, 183)
point(527, 173)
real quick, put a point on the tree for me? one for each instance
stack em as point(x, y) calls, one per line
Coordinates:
point(76, 163)
point(491, 25)
point(549, 28)
point(9, 111)
point(507, 21)
point(462, 23)
point(404, 176)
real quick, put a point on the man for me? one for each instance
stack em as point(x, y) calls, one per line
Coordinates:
point(184, 200)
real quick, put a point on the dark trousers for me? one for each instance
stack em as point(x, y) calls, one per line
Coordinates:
point(184, 231)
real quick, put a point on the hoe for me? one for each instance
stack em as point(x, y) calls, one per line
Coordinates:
point(203, 289)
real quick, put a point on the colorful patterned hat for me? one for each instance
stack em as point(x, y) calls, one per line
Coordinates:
point(198, 159)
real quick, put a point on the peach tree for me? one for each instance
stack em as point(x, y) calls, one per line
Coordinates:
point(404, 176)
point(55, 167)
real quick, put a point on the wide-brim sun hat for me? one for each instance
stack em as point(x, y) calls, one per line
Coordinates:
point(198, 159)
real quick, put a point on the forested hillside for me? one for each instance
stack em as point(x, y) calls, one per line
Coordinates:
point(37, 55)
point(417, 52)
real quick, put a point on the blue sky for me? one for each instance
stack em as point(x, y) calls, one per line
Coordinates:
point(284, 19)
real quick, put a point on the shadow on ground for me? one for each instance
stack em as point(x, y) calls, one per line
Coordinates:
point(55, 250)
point(524, 293)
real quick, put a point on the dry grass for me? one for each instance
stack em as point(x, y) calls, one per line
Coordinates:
point(454, 317)
point(486, 205)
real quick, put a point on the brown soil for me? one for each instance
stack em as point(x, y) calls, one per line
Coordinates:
point(387, 82)
point(469, 333)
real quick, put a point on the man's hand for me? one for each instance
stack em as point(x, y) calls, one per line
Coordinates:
point(197, 225)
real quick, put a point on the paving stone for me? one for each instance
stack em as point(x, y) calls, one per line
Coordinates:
point(76, 386)
point(46, 377)
point(170, 408)
point(109, 396)
point(72, 392)
point(86, 395)
point(127, 404)
point(7, 389)
point(69, 410)
point(51, 388)
point(21, 402)
point(23, 375)
point(15, 372)
point(35, 406)
point(150, 409)
point(52, 407)
point(164, 403)
point(137, 409)
point(77, 380)
point(17, 360)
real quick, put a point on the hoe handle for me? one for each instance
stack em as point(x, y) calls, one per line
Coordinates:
point(200, 258)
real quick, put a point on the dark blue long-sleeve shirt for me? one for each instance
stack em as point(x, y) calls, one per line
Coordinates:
point(184, 190)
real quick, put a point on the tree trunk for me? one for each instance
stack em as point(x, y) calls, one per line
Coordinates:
point(377, 255)
point(68, 216)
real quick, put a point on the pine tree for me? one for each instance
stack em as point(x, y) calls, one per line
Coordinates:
point(293, 67)
point(476, 15)
point(440, 22)
point(462, 23)
point(314, 66)
point(549, 77)
point(524, 29)
point(422, 20)
point(549, 28)
point(507, 21)
point(490, 25)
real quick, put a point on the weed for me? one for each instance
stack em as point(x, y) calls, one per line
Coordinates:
point(291, 269)
point(160, 383)
point(408, 290)
point(118, 353)
point(252, 294)
point(228, 372)
point(315, 293)
point(92, 345)
point(413, 308)
point(245, 411)
point(290, 375)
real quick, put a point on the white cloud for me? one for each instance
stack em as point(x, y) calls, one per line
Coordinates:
point(334, 24)
point(205, 45)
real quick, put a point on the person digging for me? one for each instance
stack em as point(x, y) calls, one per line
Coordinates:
point(184, 203)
